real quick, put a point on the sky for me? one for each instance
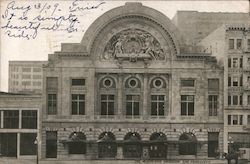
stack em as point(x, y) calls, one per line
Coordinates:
point(46, 42)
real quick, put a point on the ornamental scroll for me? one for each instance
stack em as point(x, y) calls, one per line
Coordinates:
point(133, 44)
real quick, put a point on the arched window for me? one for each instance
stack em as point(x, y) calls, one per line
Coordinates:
point(107, 147)
point(77, 143)
point(132, 145)
point(107, 93)
point(133, 97)
point(187, 144)
point(157, 148)
point(158, 96)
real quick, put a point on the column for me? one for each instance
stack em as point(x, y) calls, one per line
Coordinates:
point(119, 96)
point(145, 97)
point(18, 145)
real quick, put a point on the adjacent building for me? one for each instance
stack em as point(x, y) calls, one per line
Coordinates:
point(25, 76)
point(129, 91)
point(19, 125)
point(195, 26)
point(231, 45)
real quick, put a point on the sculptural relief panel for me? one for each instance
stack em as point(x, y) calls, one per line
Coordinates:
point(133, 43)
point(133, 40)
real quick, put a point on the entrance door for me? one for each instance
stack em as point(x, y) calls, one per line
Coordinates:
point(213, 144)
point(51, 144)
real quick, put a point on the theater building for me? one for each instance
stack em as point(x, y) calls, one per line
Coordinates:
point(131, 90)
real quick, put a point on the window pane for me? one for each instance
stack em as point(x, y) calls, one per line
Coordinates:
point(235, 100)
point(183, 108)
point(187, 83)
point(136, 108)
point(11, 119)
point(229, 81)
point(229, 62)
point(229, 119)
point(191, 109)
point(239, 43)
point(111, 108)
point(153, 108)
point(78, 82)
point(231, 43)
point(29, 119)
point(8, 142)
point(81, 108)
point(104, 108)
point(229, 100)
point(27, 146)
point(129, 108)
point(74, 108)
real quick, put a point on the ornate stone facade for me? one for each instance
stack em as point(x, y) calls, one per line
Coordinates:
point(130, 91)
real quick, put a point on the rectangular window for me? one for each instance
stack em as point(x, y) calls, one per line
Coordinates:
point(52, 104)
point(229, 120)
point(27, 146)
point(51, 144)
point(78, 82)
point(38, 77)
point(132, 105)
point(248, 119)
point(37, 83)
point(25, 76)
point(26, 69)
point(157, 105)
point(229, 100)
point(78, 104)
point(187, 105)
point(229, 81)
point(241, 62)
point(248, 99)
point(235, 62)
point(235, 100)
point(213, 84)
point(107, 104)
point(231, 44)
point(241, 80)
point(213, 105)
point(241, 119)
point(8, 142)
point(187, 83)
point(229, 62)
point(37, 70)
point(240, 99)
point(11, 119)
point(239, 43)
point(235, 81)
point(29, 119)
point(52, 83)
point(235, 120)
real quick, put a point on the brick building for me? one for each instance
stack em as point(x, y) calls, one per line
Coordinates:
point(129, 91)
point(25, 76)
point(19, 125)
point(231, 45)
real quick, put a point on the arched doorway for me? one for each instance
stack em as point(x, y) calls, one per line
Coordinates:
point(158, 148)
point(132, 145)
point(107, 147)
point(77, 143)
point(187, 144)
